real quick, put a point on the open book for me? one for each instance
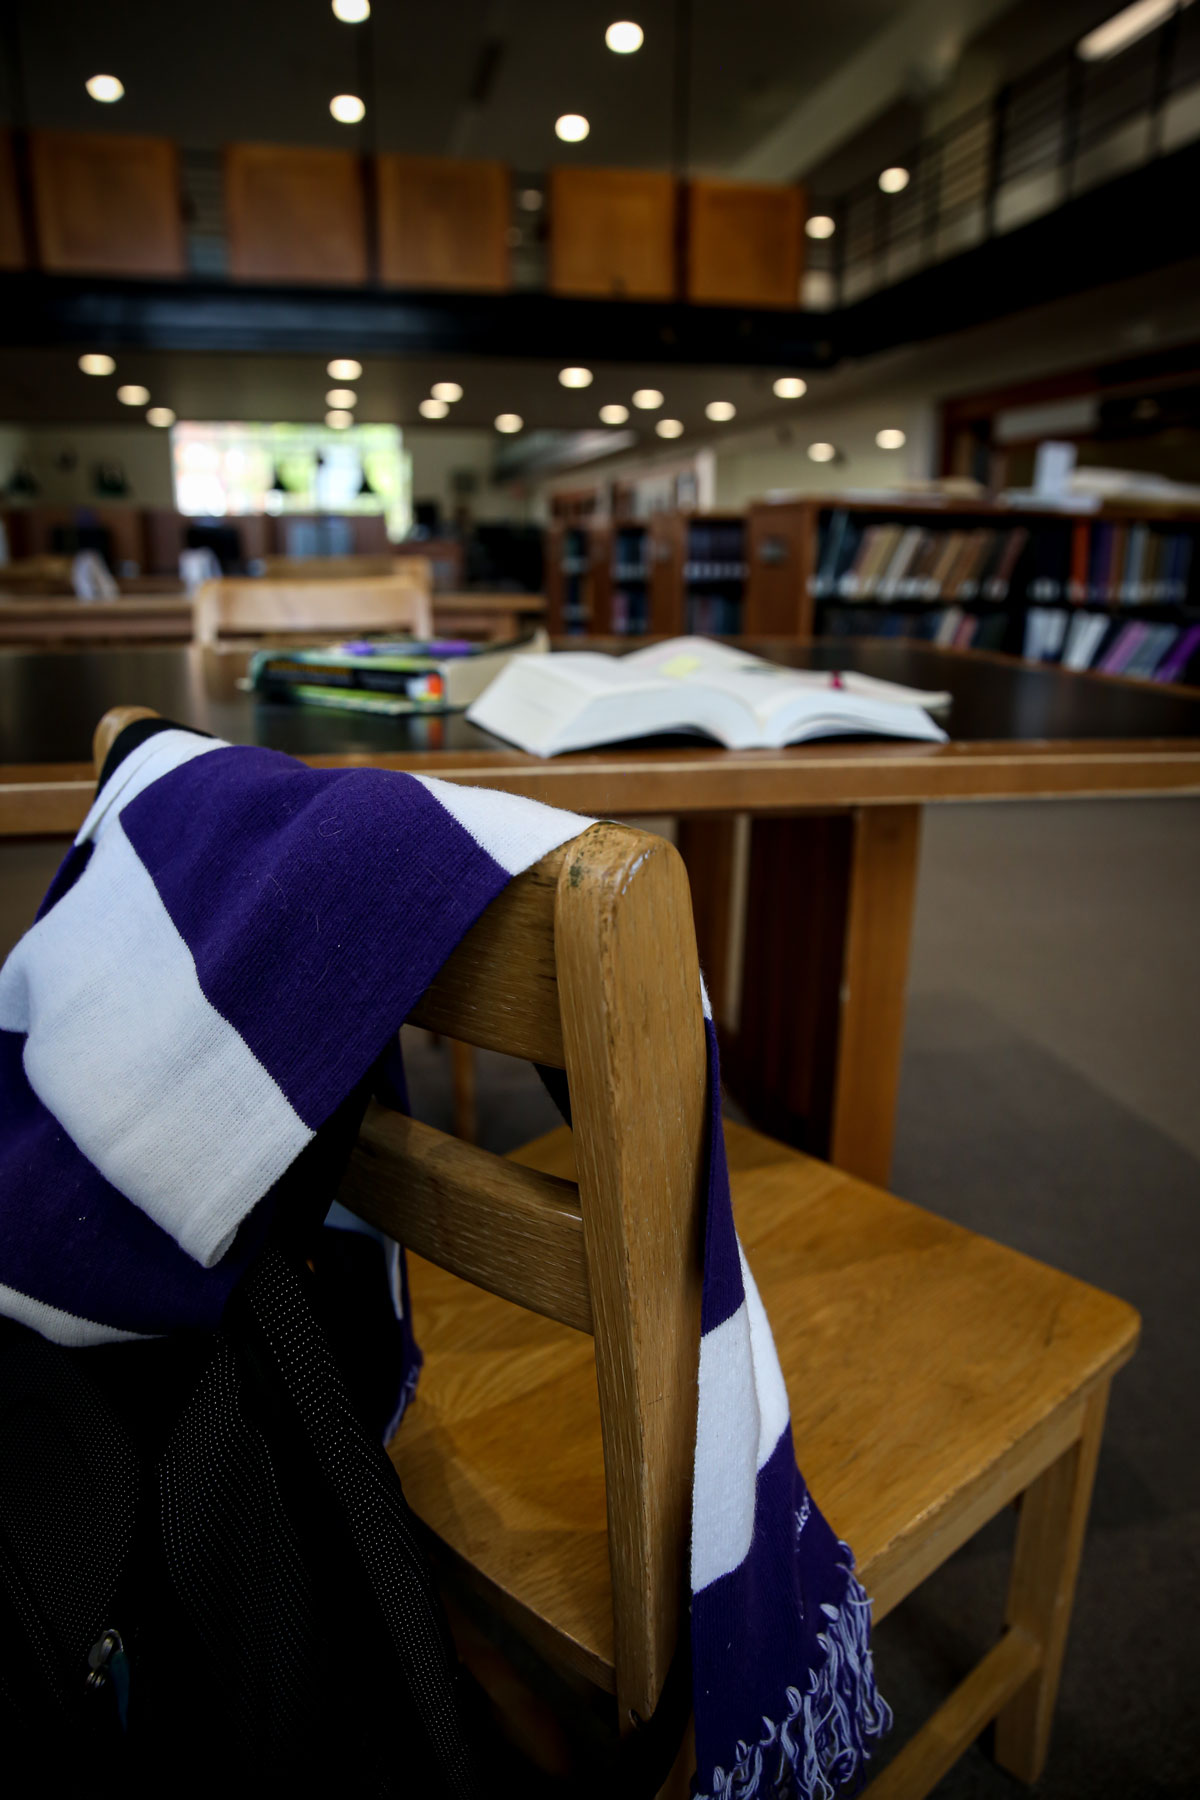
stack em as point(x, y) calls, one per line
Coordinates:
point(577, 699)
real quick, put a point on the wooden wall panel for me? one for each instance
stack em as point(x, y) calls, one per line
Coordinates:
point(106, 205)
point(745, 244)
point(12, 234)
point(443, 223)
point(612, 232)
point(294, 214)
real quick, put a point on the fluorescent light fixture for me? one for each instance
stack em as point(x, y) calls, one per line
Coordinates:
point(352, 12)
point(433, 409)
point(614, 415)
point(162, 416)
point(337, 420)
point(446, 390)
point(133, 395)
point(509, 422)
point(575, 378)
point(97, 363)
point(720, 411)
point(894, 180)
point(1124, 28)
point(341, 397)
point(347, 109)
point(891, 438)
point(669, 428)
point(647, 399)
point(820, 226)
point(624, 37)
point(105, 88)
point(822, 452)
point(790, 387)
point(572, 128)
point(343, 368)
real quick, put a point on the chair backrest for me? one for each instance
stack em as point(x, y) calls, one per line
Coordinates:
point(329, 568)
point(587, 963)
point(262, 607)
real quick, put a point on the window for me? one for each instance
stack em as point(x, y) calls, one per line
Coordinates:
point(229, 469)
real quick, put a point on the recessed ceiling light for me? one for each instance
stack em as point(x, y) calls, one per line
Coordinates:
point(572, 128)
point(894, 181)
point(97, 363)
point(341, 397)
point(614, 415)
point(133, 395)
point(647, 399)
point(1124, 28)
point(337, 420)
point(446, 390)
point(575, 378)
point(720, 411)
point(105, 88)
point(352, 12)
point(892, 438)
point(820, 226)
point(624, 37)
point(347, 109)
point(790, 387)
point(161, 416)
point(509, 421)
point(433, 409)
point(530, 199)
point(343, 368)
point(822, 452)
point(669, 428)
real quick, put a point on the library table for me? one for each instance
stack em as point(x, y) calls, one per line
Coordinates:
point(817, 888)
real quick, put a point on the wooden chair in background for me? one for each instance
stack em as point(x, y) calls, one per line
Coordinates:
point(264, 608)
point(934, 1375)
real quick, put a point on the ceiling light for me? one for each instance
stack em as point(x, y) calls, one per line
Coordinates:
point(347, 109)
point(446, 390)
point(624, 37)
point(720, 411)
point(822, 452)
point(820, 226)
point(341, 397)
point(133, 395)
point(509, 421)
point(890, 439)
point(894, 181)
point(343, 368)
point(647, 399)
point(352, 12)
point(614, 415)
point(96, 363)
point(530, 199)
point(433, 409)
point(161, 416)
point(790, 387)
point(337, 420)
point(575, 378)
point(572, 128)
point(669, 428)
point(105, 88)
point(1124, 28)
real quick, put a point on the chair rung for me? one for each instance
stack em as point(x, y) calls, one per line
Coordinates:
point(956, 1724)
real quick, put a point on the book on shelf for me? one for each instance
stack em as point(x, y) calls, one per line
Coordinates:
point(388, 676)
point(577, 700)
point(1174, 665)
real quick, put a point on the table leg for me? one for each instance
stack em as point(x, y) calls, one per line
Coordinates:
point(708, 844)
point(815, 1055)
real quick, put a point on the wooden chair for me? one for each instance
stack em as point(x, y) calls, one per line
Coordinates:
point(934, 1375)
point(265, 608)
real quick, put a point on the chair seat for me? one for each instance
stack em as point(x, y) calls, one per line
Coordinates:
point(932, 1374)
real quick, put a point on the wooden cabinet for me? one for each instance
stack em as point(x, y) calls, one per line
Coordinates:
point(666, 541)
point(443, 223)
point(781, 552)
point(106, 205)
point(612, 233)
point(745, 244)
point(12, 234)
point(295, 215)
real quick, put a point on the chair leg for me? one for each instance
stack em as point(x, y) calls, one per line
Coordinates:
point(1041, 1590)
point(462, 1068)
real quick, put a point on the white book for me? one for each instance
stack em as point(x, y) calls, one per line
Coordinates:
point(577, 699)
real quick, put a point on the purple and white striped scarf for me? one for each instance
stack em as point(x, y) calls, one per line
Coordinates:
point(228, 949)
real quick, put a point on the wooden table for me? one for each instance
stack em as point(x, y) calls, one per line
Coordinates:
point(147, 618)
point(828, 864)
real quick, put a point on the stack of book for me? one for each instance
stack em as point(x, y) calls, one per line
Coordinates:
point(1079, 639)
point(714, 576)
point(896, 562)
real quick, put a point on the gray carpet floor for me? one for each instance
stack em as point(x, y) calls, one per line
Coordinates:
point(1049, 1098)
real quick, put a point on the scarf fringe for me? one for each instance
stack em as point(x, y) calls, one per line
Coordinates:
point(822, 1743)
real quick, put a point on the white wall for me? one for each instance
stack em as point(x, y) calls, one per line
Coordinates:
point(143, 453)
point(438, 454)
